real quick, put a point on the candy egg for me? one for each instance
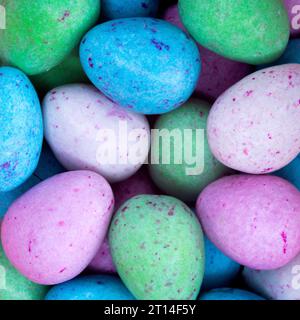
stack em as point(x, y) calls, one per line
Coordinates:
point(279, 284)
point(254, 32)
point(146, 65)
point(293, 9)
point(245, 125)
point(220, 270)
point(291, 172)
point(85, 130)
point(157, 247)
point(218, 73)
point(21, 131)
point(254, 220)
point(182, 163)
point(100, 287)
point(52, 232)
point(40, 35)
point(116, 9)
point(229, 294)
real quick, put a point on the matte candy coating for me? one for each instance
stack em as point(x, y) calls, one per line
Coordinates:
point(279, 284)
point(157, 246)
point(229, 294)
point(255, 220)
point(218, 73)
point(100, 287)
point(253, 31)
point(220, 270)
point(40, 232)
point(181, 177)
point(254, 126)
point(21, 129)
point(83, 129)
point(146, 65)
point(116, 9)
point(14, 286)
point(293, 9)
point(40, 35)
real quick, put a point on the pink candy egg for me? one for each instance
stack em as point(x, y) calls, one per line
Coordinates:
point(254, 126)
point(52, 232)
point(255, 220)
point(218, 73)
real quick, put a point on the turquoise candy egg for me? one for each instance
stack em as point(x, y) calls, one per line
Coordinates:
point(229, 294)
point(144, 64)
point(220, 270)
point(100, 287)
point(116, 9)
point(291, 172)
point(21, 128)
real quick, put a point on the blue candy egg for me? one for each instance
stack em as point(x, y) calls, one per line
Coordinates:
point(291, 172)
point(116, 9)
point(229, 294)
point(220, 270)
point(100, 287)
point(144, 64)
point(21, 128)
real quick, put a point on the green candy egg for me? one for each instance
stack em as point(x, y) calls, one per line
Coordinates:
point(40, 34)
point(251, 31)
point(181, 177)
point(14, 286)
point(158, 248)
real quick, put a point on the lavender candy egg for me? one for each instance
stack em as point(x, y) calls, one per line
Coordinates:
point(143, 64)
point(85, 130)
point(52, 232)
point(21, 128)
point(279, 284)
point(254, 220)
point(254, 126)
point(293, 9)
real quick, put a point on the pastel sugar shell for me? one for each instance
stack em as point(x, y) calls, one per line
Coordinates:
point(293, 10)
point(157, 246)
point(14, 286)
point(229, 294)
point(254, 220)
point(58, 28)
point(245, 124)
point(139, 183)
point(217, 73)
point(279, 284)
point(21, 131)
point(100, 287)
point(254, 32)
point(220, 270)
point(116, 9)
point(144, 64)
point(83, 129)
point(182, 176)
point(291, 172)
point(40, 230)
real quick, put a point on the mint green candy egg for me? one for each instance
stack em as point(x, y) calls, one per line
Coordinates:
point(158, 248)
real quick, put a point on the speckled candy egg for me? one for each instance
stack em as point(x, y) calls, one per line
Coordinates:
point(157, 246)
point(116, 9)
point(41, 34)
point(86, 130)
point(253, 31)
point(229, 294)
point(21, 130)
point(14, 286)
point(146, 65)
point(218, 73)
point(255, 220)
point(139, 183)
point(293, 9)
point(52, 232)
point(279, 284)
point(173, 169)
point(245, 125)
point(220, 270)
point(100, 287)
